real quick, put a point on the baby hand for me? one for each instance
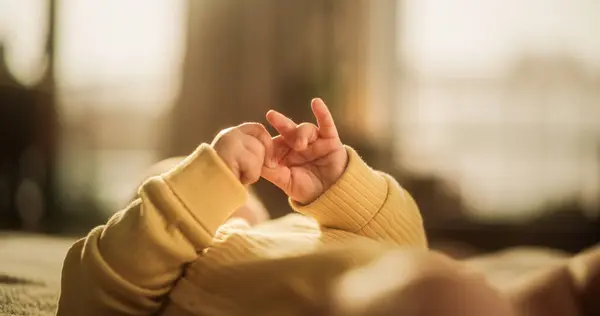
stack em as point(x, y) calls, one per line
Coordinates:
point(245, 149)
point(310, 159)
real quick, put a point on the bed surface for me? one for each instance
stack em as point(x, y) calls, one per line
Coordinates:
point(30, 268)
point(30, 273)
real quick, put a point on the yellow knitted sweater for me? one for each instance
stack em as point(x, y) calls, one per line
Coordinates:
point(173, 251)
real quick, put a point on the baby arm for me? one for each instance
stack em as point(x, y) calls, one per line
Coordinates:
point(129, 265)
point(369, 203)
point(331, 183)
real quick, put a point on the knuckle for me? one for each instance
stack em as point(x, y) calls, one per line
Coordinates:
point(307, 127)
point(250, 161)
point(252, 126)
point(226, 132)
point(254, 176)
point(226, 141)
point(225, 136)
point(251, 175)
point(255, 129)
point(254, 145)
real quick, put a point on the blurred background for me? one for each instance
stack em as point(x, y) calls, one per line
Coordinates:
point(487, 111)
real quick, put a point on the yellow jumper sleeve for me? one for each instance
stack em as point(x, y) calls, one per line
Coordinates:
point(369, 203)
point(129, 265)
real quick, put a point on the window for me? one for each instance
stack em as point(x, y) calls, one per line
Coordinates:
point(117, 71)
point(23, 30)
point(502, 98)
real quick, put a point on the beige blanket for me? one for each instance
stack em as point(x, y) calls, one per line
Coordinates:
point(30, 273)
point(30, 270)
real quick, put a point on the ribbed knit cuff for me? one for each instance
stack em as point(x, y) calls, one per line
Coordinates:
point(207, 188)
point(352, 201)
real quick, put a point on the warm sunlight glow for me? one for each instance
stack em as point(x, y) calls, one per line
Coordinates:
point(502, 100)
point(23, 29)
point(134, 47)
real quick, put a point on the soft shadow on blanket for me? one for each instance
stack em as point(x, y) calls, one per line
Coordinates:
point(20, 296)
point(30, 273)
